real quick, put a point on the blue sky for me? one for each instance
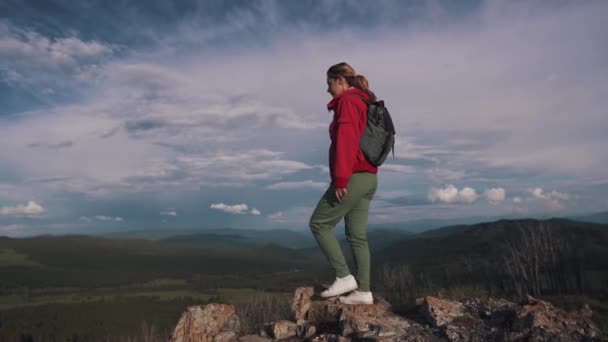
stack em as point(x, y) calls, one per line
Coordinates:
point(149, 114)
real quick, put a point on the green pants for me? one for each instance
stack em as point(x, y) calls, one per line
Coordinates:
point(354, 209)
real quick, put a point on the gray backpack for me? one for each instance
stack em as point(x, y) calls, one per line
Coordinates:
point(379, 136)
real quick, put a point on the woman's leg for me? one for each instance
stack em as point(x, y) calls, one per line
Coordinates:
point(329, 212)
point(356, 233)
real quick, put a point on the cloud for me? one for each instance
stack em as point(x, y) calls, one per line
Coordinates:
point(517, 200)
point(189, 110)
point(495, 195)
point(296, 216)
point(539, 193)
point(276, 216)
point(169, 213)
point(61, 144)
point(254, 211)
point(232, 209)
point(108, 218)
point(307, 184)
point(552, 199)
point(31, 49)
point(398, 168)
point(13, 229)
point(31, 208)
point(85, 219)
point(444, 175)
point(451, 194)
point(399, 198)
point(103, 218)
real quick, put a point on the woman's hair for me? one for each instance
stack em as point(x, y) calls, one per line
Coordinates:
point(351, 77)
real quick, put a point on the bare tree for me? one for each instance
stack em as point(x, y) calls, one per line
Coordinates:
point(536, 259)
point(398, 284)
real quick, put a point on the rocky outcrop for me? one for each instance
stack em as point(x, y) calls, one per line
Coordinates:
point(208, 323)
point(541, 321)
point(438, 320)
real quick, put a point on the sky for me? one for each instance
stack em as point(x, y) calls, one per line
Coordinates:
point(126, 115)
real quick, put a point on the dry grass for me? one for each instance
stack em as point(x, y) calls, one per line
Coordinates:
point(263, 308)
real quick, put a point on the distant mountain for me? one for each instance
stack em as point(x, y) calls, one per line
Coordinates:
point(231, 237)
point(147, 234)
point(480, 237)
point(222, 237)
point(417, 226)
point(601, 217)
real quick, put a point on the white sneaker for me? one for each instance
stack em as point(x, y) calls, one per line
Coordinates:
point(340, 286)
point(357, 297)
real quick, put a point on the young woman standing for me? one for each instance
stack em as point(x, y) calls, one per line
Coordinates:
point(353, 185)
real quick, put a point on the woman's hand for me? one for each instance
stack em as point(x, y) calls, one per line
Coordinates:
point(341, 193)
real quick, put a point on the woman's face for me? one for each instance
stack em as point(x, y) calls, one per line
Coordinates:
point(336, 85)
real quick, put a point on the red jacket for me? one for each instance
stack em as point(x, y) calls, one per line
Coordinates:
point(345, 131)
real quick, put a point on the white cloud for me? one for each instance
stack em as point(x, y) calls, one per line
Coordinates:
point(276, 216)
point(29, 48)
point(85, 219)
point(552, 199)
point(297, 216)
point(444, 175)
point(539, 193)
point(517, 200)
point(31, 208)
point(169, 213)
point(13, 229)
point(398, 168)
point(495, 195)
point(308, 184)
point(467, 195)
point(108, 218)
point(233, 209)
point(451, 194)
point(254, 211)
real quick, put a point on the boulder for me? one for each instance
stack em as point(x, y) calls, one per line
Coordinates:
point(253, 338)
point(539, 320)
point(283, 329)
point(440, 312)
point(301, 303)
point(204, 323)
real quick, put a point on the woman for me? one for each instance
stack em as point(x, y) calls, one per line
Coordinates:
point(353, 184)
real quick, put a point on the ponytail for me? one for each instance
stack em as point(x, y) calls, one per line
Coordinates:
point(354, 80)
point(360, 82)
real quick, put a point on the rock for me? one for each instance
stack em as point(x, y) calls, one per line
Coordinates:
point(586, 311)
point(329, 338)
point(541, 321)
point(496, 311)
point(306, 331)
point(283, 329)
point(254, 338)
point(379, 308)
point(204, 323)
point(232, 324)
point(225, 336)
point(265, 330)
point(328, 320)
point(301, 303)
point(324, 311)
point(440, 312)
point(330, 310)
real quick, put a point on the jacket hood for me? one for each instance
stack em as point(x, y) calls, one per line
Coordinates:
point(352, 90)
